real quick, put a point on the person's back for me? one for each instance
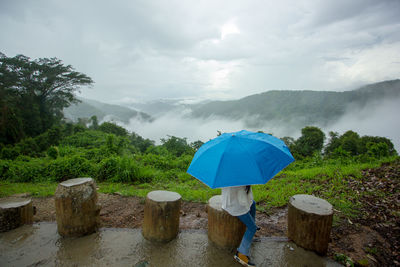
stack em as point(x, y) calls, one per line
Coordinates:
point(238, 201)
point(235, 200)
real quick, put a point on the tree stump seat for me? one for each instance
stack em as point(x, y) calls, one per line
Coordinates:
point(77, 212)
point(224, 230)
point(161, 216)
point(310, 222)
point(15, 212)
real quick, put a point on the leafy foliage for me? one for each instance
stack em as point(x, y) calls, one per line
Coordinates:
point(33, 94)
point(112, 154)
point(350, 144)
point(177, 146)
point(112, 128)
point(310, 141)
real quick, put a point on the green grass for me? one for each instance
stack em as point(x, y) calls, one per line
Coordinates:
point(328, 181)
point(34, 189)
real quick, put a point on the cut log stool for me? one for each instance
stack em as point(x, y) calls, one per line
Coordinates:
point(15, 212)
point(161, 216)
point(224, 229)
point(310, 222)
point(77, 211)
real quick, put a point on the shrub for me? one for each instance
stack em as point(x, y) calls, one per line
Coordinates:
point(123, 169)
point(10, 153)
point(42, 141)
point(157, 150)
point(4, 166)
point(31, 171)
point(66, 168)
point(378, 150)
point(86, 139)
point(54, 135)
point(52, 152)
point(95, 155)
point(177, 146)
point(146, 174)
point(127, 170)
point(183, 162)
point(140, 143)
point(28, 147)
point(78, 128)
point(163, 162)
point(112, 128)
point(107, 168)
point(68, 151)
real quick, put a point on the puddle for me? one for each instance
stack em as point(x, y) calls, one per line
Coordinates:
point(40, 245)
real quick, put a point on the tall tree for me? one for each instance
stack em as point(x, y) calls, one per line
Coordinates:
point(34, 93)
point(310, 141)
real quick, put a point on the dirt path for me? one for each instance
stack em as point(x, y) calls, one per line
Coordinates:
point(127, 212)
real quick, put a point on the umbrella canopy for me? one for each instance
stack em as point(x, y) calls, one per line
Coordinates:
point(240, 158)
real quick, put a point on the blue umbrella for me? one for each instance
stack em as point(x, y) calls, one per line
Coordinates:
point(240, 158)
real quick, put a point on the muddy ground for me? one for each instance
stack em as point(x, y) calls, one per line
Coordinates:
point(371, 239)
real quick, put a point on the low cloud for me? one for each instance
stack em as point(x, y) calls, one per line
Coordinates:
point(183, 127)
point(179, 124)
point(376, 119)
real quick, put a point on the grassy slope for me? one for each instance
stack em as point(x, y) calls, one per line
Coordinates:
point(328, 181)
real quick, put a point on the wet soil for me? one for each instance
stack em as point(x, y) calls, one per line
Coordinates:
point(40, 245)
point(370, 239)
point(127, 212)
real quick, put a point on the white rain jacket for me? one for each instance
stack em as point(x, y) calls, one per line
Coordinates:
point(236, 201)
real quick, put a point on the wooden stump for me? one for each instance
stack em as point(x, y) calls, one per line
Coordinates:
point(224, 229)
point(77, 212)
point(161, 216)
point(15, 212)
point(310, 222)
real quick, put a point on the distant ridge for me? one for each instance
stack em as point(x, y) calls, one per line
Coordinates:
point(299, 107)
point(88, 108)
point(295, 108)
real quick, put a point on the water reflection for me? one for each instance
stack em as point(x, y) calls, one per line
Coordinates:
point(78, 251)
point(297, 256)
point(41, 245)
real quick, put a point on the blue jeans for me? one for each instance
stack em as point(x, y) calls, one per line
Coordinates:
point(249, 219)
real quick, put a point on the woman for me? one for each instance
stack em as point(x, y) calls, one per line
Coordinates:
point(238, 201)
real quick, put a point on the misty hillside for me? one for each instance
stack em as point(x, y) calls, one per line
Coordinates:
point(299, 107)
point(88, 108)
point(157, 107)
point(295, 108)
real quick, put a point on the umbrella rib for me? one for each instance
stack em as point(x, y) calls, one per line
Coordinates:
point(251, 158)
point(218, 168)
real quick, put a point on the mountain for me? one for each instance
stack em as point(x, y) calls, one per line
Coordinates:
point(156, 107)
point(88, 108)
point(294, 108)
point(299, 107)
point(159, 107)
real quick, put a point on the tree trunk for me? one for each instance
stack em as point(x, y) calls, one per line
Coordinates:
point(310, 222)
point(15, 212)
point(161, 216)
point(77, 211)
point(224, 229)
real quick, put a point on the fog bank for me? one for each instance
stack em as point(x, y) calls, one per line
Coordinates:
point(374, 119)
point(176, 123)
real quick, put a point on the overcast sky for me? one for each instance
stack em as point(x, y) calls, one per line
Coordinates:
point(143, 50)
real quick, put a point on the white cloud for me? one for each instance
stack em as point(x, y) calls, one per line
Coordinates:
point(176, 124)
point(209, 49)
